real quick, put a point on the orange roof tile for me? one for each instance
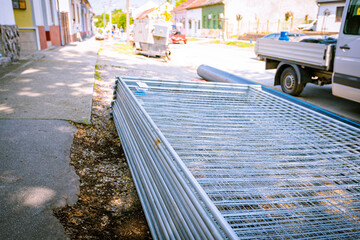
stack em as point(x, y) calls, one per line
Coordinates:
point(183, 6)
point(212, 2)
point(196, 4)
point(145, 13)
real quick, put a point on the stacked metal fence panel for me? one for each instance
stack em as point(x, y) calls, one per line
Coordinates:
point(175, 205)
point(271, 168)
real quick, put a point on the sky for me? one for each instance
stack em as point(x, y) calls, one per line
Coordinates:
point(99, 6)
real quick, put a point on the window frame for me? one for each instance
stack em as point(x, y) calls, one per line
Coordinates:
point(354, 6)
point(338, 16)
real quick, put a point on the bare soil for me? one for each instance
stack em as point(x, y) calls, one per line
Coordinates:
point(108, 205)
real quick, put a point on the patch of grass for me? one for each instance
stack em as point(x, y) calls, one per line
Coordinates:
point(100, 50)
point(127, 179)
point(97, 74)
point(193, 39)
point(235, 43)
point(123, 48)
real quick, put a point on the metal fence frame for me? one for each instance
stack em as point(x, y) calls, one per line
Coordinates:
point(176, 204)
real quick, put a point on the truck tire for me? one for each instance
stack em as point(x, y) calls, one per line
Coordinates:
point(290, 83)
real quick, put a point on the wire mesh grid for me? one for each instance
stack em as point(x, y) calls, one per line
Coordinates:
point(273, 168)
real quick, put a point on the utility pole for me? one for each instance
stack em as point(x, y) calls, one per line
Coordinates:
point(127, 23)
point(104, 19)
point(225, 22)
point(110, 12)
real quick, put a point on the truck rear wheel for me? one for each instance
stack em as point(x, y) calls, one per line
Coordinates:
point(290, 83)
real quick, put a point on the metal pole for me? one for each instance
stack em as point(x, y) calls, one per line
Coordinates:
point(224, 27)
point(110, 12)
point(127, 23)
point(60, 25)
point(104, 18)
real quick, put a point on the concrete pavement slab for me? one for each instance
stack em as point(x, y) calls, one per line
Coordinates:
point(35, 177)
point(52, 84)
point(35, 171)
point(47, 90)
point(78, 52)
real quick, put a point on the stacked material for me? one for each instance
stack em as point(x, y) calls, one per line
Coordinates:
point(218, 160)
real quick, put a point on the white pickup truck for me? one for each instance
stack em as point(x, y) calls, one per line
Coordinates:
point(299, 63)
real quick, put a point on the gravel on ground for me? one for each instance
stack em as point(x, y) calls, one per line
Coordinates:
point(108, 205)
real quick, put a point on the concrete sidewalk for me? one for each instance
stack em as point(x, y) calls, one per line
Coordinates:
point(38, 96)
point(51, 84)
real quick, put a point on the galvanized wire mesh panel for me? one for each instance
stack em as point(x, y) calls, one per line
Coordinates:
point(272, 168)
point(175, 205)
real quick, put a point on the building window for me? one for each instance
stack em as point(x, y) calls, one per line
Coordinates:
point(19, 4)
point(189, 24)
point(78, 13)
point(215, 22)
point(73, 12)
point(199, 24)
point(339, 13)
point(51, 12)
point(204, 22)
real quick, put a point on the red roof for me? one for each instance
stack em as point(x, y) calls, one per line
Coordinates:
point(145, 13)
point(212, 2)
point(183, 6)
point(196, 4)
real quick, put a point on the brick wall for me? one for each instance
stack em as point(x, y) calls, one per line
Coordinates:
point(42, 36)
point(55, 37)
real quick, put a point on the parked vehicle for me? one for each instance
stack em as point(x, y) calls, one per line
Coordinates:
point(299, 63)
point(276, 36)
point(308, 27)
point(177, 37)
point(99, 36)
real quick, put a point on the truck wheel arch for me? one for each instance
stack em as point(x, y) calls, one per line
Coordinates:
point(303, 76)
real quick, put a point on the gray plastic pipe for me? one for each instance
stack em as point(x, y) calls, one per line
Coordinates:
point(216, 75)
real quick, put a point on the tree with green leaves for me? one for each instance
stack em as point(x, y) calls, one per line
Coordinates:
point(179, 2)
point(100, 20)
point(118, 17)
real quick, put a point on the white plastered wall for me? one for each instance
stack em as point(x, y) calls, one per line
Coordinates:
point(194, 15)
point(327, 23)
point(6, 13)
point(38, 15)
point(265, 15)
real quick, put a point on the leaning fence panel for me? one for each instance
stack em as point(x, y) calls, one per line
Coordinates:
point(215, 160)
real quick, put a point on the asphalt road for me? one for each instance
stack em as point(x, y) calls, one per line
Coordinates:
point(242, 62)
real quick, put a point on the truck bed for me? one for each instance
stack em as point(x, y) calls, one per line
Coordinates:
point(309, 54)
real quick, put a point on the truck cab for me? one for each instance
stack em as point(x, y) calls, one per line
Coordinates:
point(346, 74)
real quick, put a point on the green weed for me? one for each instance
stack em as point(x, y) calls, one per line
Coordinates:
point(123, 48)
point(235, 43)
